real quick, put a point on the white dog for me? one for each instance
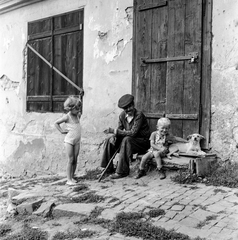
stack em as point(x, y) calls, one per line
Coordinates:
point(191, 147)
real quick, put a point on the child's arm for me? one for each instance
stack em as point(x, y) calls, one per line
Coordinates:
point(59, 121)
point(152, 141)
point(154, 146)
point(179, 139)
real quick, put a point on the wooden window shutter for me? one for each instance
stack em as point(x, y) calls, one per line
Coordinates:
point(59, 40)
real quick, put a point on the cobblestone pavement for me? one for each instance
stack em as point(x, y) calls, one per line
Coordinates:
point(195, 210)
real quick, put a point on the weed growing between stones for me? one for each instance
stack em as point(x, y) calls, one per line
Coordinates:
point(79, 234)
point(184, 176)
point(134, 225)
point(28, 233)
point(114, 199)
point(89, 197)
point(22, 217)
point(222, 174)
point(64, 199)
point(217, 190)
point(80, 188)
point(200, 206)
point(92, 218)
point(156, 212)
point(105, 223)
point(206, 221)
point(4, 229)
point(96, 212)
point(63, 214)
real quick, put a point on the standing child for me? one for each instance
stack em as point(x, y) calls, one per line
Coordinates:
point(73, 134)
point(159, 142)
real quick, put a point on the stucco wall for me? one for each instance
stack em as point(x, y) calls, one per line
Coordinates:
point(224, 127)
point(29, 143)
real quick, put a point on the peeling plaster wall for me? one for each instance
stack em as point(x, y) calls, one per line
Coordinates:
point(29, 143)
point(224, 127)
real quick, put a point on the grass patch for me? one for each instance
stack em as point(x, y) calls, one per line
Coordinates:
point(222, 174)
point(133, 225)
point(91, 175)
point(4, 229)
point(28, 233)
point(89, 197)
point(79, 234)
point(183, 176)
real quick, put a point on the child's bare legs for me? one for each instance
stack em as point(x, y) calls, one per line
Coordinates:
point(158, 160)
point(143, 162)
point(71, 160)
point(145, 159)
point(74, 165)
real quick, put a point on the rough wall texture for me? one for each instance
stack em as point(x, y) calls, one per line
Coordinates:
point(224, 127)
point(29, 143)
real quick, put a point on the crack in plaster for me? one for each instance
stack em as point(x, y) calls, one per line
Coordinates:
point(129, 14)
point(27, 125)
point(13, 127)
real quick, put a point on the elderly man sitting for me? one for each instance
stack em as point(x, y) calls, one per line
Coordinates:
point(131, 136)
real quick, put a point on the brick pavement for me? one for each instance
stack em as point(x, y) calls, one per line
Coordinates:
point(195, 210)
point(205, 211)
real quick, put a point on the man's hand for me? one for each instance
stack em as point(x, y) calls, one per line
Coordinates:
point(109, 130)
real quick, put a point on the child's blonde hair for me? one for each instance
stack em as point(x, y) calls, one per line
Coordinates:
point(71, 102)
point(164, 122)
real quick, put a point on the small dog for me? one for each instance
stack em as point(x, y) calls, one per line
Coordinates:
point(192, 147)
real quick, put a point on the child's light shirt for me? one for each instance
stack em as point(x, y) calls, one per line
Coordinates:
point(162, 141)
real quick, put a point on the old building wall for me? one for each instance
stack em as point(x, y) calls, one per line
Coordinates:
point(29, 143)
point(224, 88)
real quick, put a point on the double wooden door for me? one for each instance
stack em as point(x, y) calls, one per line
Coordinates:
point(167, 56)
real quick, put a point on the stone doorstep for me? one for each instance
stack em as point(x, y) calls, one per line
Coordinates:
point(200, 165)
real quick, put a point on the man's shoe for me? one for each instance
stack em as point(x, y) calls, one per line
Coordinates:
point(140, 174)
point(117, 176)
point(162, 174)
point(111, 171)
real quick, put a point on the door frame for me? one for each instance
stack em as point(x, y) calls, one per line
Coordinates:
point(205, 98)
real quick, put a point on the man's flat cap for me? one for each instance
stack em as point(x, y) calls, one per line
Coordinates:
point(125, 100)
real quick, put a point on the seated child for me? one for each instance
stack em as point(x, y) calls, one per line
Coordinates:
point(159, 142)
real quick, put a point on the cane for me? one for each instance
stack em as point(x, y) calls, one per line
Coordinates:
point(104, 171)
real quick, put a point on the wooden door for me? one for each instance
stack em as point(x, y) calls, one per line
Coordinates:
point(167, 56)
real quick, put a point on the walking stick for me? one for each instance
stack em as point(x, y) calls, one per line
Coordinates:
point(104, 171)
